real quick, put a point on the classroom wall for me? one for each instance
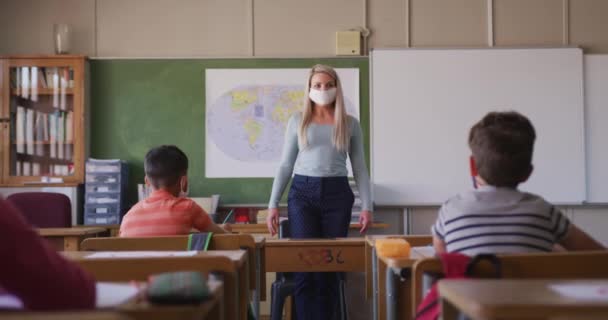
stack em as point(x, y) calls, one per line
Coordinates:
point(278, 28)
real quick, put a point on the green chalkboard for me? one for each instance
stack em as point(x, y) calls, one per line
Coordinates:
point(139, 104)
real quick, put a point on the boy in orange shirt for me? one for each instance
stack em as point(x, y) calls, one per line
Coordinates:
point(166, 211)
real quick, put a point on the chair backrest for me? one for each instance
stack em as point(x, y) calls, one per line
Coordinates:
point(167, 243)
point(284, 230)
point(173, 243)
point(562, 265)
point(44, 209)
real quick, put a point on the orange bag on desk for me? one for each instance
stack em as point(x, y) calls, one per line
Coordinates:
point(392, 248)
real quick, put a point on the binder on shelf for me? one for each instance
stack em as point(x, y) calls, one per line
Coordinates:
point(64, 85)
point(42, 78)
point(55, 76)
point(60, 136)
point(48, 73)
point(35, 169)
point(29, 131)
point(20, 130)
point(25, 82)
point(53, 135)
point(26, 168)
point(39, 134)
point(18, 168)
point(69, 135)
point(34, 83)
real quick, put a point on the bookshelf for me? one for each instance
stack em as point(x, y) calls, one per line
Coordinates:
point(42, 119)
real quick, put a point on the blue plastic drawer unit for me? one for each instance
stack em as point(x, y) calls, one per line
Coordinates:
point(105, 191)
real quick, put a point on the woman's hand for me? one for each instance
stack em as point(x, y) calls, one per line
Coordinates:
point(272, 221)
point(365, 219)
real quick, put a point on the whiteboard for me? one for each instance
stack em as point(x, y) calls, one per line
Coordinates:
point(596, 101)
point(424, 101)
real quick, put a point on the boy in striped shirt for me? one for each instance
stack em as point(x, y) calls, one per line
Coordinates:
point(166, 211)
point(496, 217)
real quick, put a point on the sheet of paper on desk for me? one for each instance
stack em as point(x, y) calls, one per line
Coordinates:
point(427, 251)
point(582, 291)
point(140, 254)
point(9, 302)
point(113, 294)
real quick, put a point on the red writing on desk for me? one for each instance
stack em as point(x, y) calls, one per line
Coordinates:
point(314, 257)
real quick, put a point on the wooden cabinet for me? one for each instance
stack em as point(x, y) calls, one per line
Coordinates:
point(42, 116)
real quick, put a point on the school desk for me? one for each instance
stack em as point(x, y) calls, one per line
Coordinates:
point(374, 287)
point(68, 239)
point(262, 228)
point(231, 264)
point(315, 255)
point(254, 244)
point(137, 309)
point(519, 299)
point(394, 298)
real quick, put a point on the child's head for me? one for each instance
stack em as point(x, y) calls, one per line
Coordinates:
point(166, 168)
point(502, 144)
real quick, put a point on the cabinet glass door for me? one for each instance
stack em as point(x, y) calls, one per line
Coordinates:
point(41, 115)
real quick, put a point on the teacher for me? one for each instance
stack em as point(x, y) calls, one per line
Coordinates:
point(317, 143)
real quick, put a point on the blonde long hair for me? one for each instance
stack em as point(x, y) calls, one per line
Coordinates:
point(341, 137)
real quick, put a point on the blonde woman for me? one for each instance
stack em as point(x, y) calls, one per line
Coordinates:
point(317, 144)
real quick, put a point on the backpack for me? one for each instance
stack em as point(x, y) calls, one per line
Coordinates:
point(455, 266)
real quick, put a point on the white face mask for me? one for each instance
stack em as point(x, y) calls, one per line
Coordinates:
point(322, 97)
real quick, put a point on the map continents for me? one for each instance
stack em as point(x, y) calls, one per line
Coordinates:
point(248, 123)
point(247, 111)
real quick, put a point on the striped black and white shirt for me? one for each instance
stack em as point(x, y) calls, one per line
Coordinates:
point(499, 220)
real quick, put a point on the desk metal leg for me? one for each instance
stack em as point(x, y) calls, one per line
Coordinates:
point(374, 284)
point(258, 280)
point(391, 294)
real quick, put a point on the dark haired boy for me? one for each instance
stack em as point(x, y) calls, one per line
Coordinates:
point(166, 211)
point(496, 217)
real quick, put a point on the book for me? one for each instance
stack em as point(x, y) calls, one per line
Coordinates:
point(64, 84)
point(48, 72)
point(53, 135)
point(26, 169)
point(69, 135)
point(42, 78)
point(45, 123)
point(29, 131)
point(25, 82)
point(60, 135)
point(20, 128)
point(39, 133)
point(55, 75)
point(18, 168)
point(34, 84)
point(35, 169)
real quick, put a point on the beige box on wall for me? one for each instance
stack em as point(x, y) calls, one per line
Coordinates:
point(348, 43)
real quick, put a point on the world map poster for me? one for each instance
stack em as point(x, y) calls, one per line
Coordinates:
point(247, 111)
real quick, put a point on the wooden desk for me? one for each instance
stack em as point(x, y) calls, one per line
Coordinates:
point(254, 244)
point(315, 255)
point(375, 283)
point(232, 264)
point(135, 310)
point(68, 239)
point(395, 300)
point(515, 299)
point(261, 228)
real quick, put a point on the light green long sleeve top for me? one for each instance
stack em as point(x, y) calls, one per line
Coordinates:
point(321, 158)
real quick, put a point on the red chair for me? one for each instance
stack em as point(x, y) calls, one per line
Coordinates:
point(44, 209)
